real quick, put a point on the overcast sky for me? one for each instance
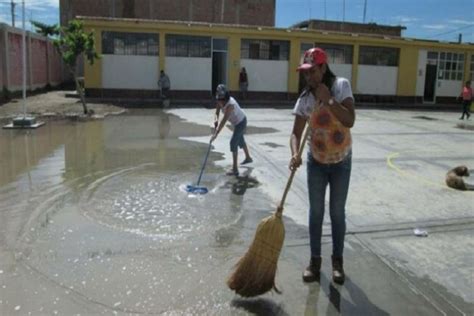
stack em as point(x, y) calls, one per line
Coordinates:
point(427, 19)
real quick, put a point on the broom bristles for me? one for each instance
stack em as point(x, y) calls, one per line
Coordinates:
point(254, 273)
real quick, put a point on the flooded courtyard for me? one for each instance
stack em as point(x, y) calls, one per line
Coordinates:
point(95, 218)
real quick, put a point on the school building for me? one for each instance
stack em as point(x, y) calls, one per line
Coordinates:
point(198, 55)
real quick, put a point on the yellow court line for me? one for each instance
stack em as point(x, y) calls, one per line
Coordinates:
point(391, 165)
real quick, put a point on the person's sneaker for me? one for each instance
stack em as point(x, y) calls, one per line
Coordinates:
point(312, 272)
point(232, 172)
point(246, 161)
point(338, 275)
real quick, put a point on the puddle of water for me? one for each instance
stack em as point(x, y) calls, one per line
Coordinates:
point(96, 213)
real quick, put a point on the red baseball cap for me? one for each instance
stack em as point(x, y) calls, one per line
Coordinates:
point(312, 57)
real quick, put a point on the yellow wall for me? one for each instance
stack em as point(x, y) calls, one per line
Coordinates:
point(294, 61)
point(162, 52)
point(355, 68)
point(407, 71)
point(407, 75)
point(467, 67)
point(93, 73)
point(233, 62)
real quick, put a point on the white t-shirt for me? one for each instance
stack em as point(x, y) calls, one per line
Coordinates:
point(237, 115)
point(330, 141)
point(341, 89)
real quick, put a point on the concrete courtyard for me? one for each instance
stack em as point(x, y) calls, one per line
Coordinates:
point(400, 159)
point(100, 224)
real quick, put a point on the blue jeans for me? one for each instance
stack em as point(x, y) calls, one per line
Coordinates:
point(337, 175)
point(237, 139)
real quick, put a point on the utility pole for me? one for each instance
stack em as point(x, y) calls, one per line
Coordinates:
point(309, 4)
point(24, 58)
point(343, 14)
point(365, 9)
point(325, 9)
point(13, 4)
point(343, 10)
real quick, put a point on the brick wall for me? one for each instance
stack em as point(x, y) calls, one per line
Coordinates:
point(39, 62)
point(251, 12)
point(14, 52)
point(43, 62)
point(370, 28)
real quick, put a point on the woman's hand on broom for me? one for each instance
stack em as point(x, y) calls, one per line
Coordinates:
point(295, 162)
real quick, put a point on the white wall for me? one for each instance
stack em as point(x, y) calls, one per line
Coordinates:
point(421, 73)
point(130, 72)
point(448, 88)
point(380, 80)
point(342, 70)
point(266, 75)
point(189, 73)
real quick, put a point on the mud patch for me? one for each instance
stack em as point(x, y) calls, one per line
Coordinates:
point(469, 127)
point(258, 130)
point(426, 118)
point(271, 145)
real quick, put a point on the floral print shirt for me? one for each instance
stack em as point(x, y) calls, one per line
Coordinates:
point(329, 141)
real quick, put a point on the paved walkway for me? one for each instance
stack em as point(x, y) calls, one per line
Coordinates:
point(93, 219)
point(400, 159)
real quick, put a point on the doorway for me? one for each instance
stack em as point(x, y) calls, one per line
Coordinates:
point(219, 62)
point(430, 83)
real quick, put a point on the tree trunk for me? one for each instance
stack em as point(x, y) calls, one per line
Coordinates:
point(81, 92)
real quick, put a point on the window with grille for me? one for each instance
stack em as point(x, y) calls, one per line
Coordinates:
point(264, 49)
point(120, 43)
point(188, 46)
point(337, 54)
point(379, 56)
point(451, 66)
point(304, 47)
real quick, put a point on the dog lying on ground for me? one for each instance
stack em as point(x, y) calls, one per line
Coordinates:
point(454, 178)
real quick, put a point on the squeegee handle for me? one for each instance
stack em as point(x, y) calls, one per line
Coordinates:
point(292, 174)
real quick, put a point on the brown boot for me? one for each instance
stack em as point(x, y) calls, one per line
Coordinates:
point(311, 273)
point(338, 275)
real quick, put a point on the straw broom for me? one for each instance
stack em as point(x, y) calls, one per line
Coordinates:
point(254, 273)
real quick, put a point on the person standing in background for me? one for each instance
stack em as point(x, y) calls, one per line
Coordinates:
point(243, 82)
point(466, 95)
point(164, 84)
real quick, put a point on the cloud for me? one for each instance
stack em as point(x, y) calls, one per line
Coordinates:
point(464, 22)
point(435, 26)
point(42, 3)
point(405, 19)
point(5, 18)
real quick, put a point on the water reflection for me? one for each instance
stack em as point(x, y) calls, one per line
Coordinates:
point(164, 127)
point(95, 210)
point(225, 235)
point(141, 136)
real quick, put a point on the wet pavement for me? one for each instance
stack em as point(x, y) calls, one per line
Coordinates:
point(95, 219)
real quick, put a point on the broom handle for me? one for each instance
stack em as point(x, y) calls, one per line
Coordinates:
point(292, 175)
point(204, 163)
